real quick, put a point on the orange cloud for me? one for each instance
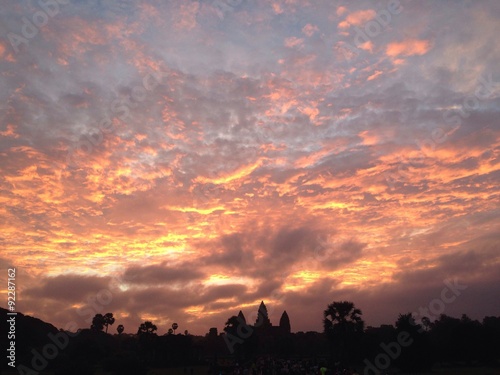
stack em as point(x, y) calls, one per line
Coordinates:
point(367, 46)
point(10, 131)
point(369, 138)
point(241, 172)
point(312, 112)
point(357, 18)
point(374, 75)
point(408, 47)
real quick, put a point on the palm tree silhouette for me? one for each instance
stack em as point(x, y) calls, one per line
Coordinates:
point(147, 328)
point(342, 314)
point(98, 322)
point(108, 320)
point(120, 329)
point(343, 325)
point(232, 325)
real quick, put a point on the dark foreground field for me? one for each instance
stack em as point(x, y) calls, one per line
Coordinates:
point(461, 371)
point(203, 370)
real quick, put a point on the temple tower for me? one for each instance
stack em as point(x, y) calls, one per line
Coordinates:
point(262, 317)
point(285, 323)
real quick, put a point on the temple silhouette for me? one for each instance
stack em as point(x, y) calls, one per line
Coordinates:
point(264, 326)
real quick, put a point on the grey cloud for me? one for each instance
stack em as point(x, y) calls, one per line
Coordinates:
point(344, 253)
point(70, 288)
point(162, 274)
point(213, 293)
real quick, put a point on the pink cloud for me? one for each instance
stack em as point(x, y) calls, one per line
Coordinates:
point(408, 47)
point(309, 29)
point(277, 8)
point(341, 10)
point(293, 42)
point(367, 46)
point(186, 19)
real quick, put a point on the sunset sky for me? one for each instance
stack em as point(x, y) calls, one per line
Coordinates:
point(178, 161)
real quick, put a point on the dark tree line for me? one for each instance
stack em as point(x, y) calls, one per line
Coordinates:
point(407, 345)
point(100, 321)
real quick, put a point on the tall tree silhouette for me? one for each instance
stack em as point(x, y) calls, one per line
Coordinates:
point(98, 322)
point(343, 326)
point(147, 340)
point(418, 355)
point(108, 320)
point(232, 337)
point(147, 328)
point(232, 325)
point(175, 326)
